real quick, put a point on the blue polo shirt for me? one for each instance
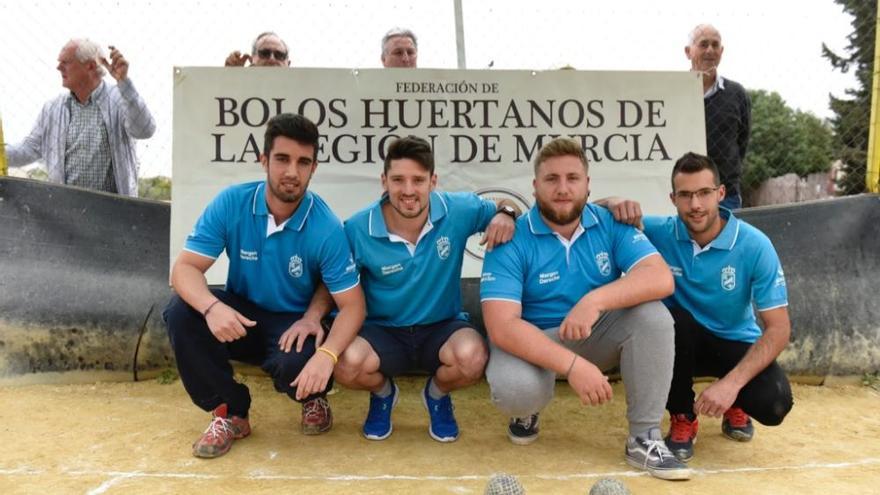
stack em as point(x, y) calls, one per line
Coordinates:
point(404, 289)
point(548, 274)
point(718, 283)
point(279, 272)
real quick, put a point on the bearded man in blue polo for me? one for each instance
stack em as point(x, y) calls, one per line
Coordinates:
point(555, 303)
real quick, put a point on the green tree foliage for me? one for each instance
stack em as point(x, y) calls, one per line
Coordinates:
point(851, 119)
point(38, 173)
point(784, 140)
point(155, 188)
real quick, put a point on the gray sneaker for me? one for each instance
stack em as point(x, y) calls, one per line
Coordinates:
point(652, 455)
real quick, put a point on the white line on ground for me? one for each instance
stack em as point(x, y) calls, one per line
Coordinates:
point(103, 487)
point(117, 476)
point(22, 470)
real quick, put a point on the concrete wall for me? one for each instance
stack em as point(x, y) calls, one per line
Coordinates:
point(84, 278)
point(790, 188)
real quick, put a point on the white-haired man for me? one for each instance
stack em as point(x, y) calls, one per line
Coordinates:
point(400, 49)
point(86, 137)
point(728, 111)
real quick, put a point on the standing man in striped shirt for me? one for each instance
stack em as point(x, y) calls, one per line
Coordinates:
point(86, 137)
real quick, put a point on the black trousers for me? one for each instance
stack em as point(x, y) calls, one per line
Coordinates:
point(698, 352)
point(203, 361)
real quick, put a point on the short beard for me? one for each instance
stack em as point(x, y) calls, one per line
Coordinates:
point(286, 197)
point(407, 215)
point(551, 215)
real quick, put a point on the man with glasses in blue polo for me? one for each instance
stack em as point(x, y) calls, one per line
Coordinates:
point(722, 267)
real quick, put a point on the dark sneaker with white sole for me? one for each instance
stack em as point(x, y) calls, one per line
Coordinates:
point(523, 431)
point(652, 455)
point(737, 425)
point(682, 435)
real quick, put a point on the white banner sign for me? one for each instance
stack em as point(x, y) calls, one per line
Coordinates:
point(485, 127)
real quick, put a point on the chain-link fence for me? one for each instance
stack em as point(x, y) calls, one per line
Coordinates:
point(810, 114)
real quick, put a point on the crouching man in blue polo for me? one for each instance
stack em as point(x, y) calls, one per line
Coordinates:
point(282, 242)
point(555, 303)
point(409, 246)
point(722, 266)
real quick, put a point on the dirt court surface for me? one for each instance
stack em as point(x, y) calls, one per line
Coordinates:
point(134, 438)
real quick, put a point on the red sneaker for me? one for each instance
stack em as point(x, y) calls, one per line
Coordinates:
point(316, 416)
point(737, 425)
point(217, 438)
point(682, 436)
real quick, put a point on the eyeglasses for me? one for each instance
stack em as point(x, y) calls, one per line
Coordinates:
point(268, 53)
point(701, 194)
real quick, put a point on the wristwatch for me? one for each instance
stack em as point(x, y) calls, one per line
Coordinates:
point(507, 210)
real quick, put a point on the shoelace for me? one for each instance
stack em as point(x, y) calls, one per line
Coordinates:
point(219, 428)
point(681, 428)
point(736, 417)
point(314, 408)
point(527, 422)
point(658, 446)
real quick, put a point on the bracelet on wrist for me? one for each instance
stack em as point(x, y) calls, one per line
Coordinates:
point(330, 353)
point(571, 366)
point(205, 312)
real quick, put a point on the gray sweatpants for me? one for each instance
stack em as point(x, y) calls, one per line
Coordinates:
point(639, 339)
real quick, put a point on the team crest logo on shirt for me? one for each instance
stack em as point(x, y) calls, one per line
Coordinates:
point(604, 263)
point(295, 267)
point(728, 278)
point(444, 247)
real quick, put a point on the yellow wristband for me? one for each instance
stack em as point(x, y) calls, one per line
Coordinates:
point(330, 353)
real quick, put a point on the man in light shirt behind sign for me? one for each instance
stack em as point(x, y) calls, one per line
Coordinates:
point(86, 136)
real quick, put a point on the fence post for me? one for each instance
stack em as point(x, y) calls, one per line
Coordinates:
point(872, 176)
point(3, 167)
point(459, 34)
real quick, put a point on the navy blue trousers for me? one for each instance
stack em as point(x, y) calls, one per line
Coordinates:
point(203, 361)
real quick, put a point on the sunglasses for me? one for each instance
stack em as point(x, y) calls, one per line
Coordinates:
point(277, 54)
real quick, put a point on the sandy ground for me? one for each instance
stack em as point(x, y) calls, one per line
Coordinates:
point(135, 438)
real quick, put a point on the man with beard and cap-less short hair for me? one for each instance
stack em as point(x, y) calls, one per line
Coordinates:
point(555, 303)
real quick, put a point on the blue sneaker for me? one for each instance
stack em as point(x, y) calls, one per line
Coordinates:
point(443, 426)
point(378, 423)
